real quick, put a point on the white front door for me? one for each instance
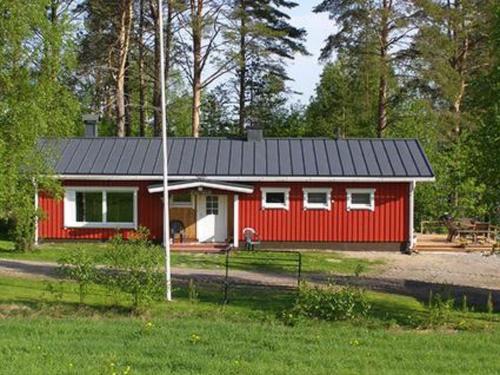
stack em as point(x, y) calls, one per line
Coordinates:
point(211, 224)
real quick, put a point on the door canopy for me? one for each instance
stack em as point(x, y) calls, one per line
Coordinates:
point(208, 184)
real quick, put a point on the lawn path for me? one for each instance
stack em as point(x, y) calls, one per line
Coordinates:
point(415, 288)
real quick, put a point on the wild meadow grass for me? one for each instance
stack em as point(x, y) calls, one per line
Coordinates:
point(48, 332)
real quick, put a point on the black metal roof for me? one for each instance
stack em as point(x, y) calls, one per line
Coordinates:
point(294, 157)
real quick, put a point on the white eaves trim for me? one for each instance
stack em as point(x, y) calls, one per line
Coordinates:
point(244, 178)
point(196, 184)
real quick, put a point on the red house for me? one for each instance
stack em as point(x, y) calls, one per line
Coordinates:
point(295, 192)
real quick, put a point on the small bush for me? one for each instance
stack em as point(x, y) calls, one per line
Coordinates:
point(490, 308)
point(134, 269)
point(440, 310)
point(329, 303)
point(81, 267)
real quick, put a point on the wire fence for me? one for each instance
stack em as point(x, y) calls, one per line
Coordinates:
point(261, 268)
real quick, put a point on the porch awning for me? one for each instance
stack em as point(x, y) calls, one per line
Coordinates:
point(190, 184)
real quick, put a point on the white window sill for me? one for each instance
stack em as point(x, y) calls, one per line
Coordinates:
point(275, 207)
point(102, 226)
point(360, 208)
point(322, 208)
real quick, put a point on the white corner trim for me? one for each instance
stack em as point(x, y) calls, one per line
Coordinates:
point(69, 215)
point(318, 206)
point(236, 221)
point(36, 239)
point(280, 206)
point(351, 206)
point(411, 210)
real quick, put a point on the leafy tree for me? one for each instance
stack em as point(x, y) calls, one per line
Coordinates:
point(343, 101)
point(35, 101)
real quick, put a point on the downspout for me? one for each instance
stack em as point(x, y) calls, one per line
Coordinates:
point(411, 239)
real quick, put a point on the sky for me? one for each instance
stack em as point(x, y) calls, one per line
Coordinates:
point(305, 70)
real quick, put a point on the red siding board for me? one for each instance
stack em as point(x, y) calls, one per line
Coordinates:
point(388, 223)
point(149, 210)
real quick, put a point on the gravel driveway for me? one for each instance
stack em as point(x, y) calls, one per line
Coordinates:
point(464, 269)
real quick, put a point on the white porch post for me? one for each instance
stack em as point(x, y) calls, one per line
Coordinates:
point(236, 221)
point(411, 214)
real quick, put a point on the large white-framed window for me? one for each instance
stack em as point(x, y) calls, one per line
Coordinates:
point(100, 207)
point(360, 199)
point(317, 198)
point(181, 199)
point(275, 197)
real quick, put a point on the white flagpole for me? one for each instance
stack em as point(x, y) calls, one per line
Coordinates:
point(166, 220)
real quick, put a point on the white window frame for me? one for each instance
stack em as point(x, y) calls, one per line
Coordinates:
point(279, 206)
point(70, 207)
point(317, 206)
point(352, 206)
point(181, 205)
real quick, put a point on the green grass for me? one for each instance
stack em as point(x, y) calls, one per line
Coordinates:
point(41, 336)
point(312, 262)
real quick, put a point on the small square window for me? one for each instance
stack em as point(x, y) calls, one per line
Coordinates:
point(361, 199)
point(181, 200)
point(317, 198)
point(275, 198)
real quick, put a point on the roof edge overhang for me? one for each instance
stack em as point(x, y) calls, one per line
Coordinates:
point(97, 177)
point(236, 188)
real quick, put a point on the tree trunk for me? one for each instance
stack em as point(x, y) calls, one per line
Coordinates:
point(243, 69)
point(196, 15)
point(142, 84)
point(156, 83)
point(168, 49)
point(123, 47)
point(382, 91)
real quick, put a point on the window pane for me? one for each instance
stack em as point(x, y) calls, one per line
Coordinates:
point(212, 205)
point(361, 198)
point(89, 207)
point(120, 207)
point(275, 198)
point(318, 198)
point(182, 198)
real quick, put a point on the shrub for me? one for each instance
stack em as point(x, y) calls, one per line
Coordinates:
point(134, 269)
point(329, 303)
point(81, 267)
point(440, 310)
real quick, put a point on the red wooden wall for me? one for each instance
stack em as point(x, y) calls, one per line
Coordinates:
point(149, 211)
point(388, 223)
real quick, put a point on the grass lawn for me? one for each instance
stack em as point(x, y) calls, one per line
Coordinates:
point(40, 335)
point(312, 262)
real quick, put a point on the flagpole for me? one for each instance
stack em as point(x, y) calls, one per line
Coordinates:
point(166, 220)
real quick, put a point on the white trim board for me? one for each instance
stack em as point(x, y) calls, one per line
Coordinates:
point(196, 184)
point(244, 178)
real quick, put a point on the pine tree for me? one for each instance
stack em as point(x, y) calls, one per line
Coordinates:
point(372, 28)
point(262, 30)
